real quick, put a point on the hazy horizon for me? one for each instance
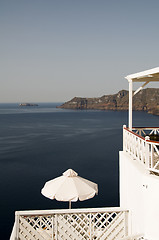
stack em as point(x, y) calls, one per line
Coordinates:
point(53, 51)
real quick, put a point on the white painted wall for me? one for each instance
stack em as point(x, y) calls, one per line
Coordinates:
point(131, 192)
point(139, 192)
point(151, 199)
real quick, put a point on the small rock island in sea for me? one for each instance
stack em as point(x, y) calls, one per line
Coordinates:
point(146, 100)
point(27, 104)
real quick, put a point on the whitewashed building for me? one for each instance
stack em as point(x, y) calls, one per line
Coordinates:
point(138, 215)
point(139, 169)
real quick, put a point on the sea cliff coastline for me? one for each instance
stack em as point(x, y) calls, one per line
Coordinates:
point(145, 100)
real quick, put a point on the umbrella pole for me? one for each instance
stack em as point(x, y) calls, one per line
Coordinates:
point(69, 204)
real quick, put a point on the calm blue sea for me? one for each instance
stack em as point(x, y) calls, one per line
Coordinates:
point(39, 143)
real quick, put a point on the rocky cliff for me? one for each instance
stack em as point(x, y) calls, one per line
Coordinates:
point(145, 100)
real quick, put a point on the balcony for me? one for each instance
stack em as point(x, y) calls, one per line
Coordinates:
point(96, 223)
point(138, 145)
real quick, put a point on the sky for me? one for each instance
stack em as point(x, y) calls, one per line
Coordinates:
point(54, 50)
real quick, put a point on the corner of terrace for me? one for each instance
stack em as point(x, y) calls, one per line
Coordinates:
point(142, 143)
point(140, 147)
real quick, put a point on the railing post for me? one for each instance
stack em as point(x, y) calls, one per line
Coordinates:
point(90, 226)
point(17, 226)
point(152, 156)
point(124, 148)
point(52, 227)
point(15, 230)
point(56, 237)
point(126, 218)
point(130, 104)
point(147, 151)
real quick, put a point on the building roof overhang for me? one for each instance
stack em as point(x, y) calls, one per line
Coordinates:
point(151, 75)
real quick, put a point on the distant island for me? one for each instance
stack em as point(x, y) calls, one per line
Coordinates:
point(146, 100)
point(27, 104)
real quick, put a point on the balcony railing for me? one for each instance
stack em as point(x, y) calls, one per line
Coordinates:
point(72, 224)
point(138, 144)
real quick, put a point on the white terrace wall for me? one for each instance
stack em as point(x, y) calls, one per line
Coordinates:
point(131, 192)
point(139, 192)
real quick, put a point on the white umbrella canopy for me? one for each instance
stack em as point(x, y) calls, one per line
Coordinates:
point(70, 187)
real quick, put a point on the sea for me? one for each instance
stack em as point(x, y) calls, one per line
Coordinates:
point(39, 143)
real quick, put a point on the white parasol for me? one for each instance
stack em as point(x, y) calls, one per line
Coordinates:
point(69, 187)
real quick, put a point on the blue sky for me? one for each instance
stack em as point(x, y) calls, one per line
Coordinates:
point(51, 51)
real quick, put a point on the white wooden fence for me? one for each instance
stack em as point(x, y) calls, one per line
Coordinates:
point(142, 148)
point(71, 224)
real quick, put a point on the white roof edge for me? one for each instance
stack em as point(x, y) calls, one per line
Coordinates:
point(143, 74)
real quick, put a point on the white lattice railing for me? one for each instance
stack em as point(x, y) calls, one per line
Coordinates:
point(72, 224)
point(153, 132)
point(142, 148)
